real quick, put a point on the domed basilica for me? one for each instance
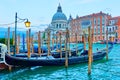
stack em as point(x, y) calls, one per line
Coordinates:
point(59, 21)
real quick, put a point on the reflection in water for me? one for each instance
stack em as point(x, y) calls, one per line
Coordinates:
point(90, 77)
point(66, 72)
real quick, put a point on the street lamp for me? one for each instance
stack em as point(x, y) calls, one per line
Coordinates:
point(27, 24)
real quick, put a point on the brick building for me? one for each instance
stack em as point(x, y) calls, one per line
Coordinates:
point(114, 29)
point(97, 21)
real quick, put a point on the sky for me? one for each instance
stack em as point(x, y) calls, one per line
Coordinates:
point(40, 12)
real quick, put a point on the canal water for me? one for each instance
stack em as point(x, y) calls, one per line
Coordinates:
point(101, 70)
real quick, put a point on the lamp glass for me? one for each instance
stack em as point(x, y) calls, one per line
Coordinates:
point(27, 23)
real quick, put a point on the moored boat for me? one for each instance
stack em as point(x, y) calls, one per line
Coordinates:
point(55, 53)
point(3, 49)
point(51, 61)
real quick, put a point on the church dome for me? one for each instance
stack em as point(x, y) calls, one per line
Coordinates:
point(59, 15)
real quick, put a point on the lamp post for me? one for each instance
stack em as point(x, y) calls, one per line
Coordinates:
point(27, 24)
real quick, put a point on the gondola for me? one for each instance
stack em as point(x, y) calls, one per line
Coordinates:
point(51, 61)
point(72, 52)
point(55, 53)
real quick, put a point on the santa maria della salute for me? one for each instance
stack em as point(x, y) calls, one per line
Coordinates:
point(59, 20)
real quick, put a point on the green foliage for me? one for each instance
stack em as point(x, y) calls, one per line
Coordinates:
point(4, 41)
point(43, 37)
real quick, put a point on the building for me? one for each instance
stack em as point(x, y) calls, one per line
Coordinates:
point(113, 28)
point(97, 22)
point(59, 21)
point(58, 24)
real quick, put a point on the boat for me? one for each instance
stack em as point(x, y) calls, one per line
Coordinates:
point(55, 53)
point(72, 52)
point(3, 49)
point(51, 61)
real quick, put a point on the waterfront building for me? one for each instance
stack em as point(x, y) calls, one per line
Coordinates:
point(99, 23)
point(59, 22)
point(114, 29)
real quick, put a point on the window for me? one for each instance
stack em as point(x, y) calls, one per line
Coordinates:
point(95, 30)
point(109, 22)
point(103, 30)
point(116, 35)
point(98, 29)
point(113, 28)
point(65, 25)
point(109, 29)
point(116, 27)
point(59, 25)
point(103, 20)
point(95, 21)
point(85, 22)
point(98, 21)
point(103, 37)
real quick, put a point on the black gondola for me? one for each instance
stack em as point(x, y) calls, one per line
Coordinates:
point(55, 53)
point(51, 61)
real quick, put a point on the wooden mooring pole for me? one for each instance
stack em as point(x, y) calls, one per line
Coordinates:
point(23, 42)
point(90, 50)
point(8, 40)
point(107, 44)
point(60, 46)
point(48, 42)
point(52, 43)
point(39, 44)
point(69, 44)
point(9, 67)
point(66, 54)
point(32, 43)
point(76, 44)
point(13, 38)
point(42, 45)
point(18, 44)
point(28, 43)
point(84, 40)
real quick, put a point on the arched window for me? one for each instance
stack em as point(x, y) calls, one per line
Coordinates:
point(59, 25)
point(113, 28)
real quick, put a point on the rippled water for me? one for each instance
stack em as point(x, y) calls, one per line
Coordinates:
point(101, 70)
